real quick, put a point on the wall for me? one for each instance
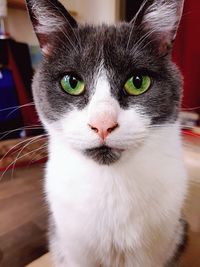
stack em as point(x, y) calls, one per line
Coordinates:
point(92, 11)
point(187, 55)
point(19, 26)
point(97, 11)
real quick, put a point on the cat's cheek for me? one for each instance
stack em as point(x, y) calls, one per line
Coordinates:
point(73, 130)
point(133, 130)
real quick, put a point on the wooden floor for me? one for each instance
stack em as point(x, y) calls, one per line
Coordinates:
point(23, 217)
point(192, 203)
point(23, 214)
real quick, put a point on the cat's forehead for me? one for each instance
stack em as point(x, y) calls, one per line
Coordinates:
point(104, 32)
point(105, 37)
point(120, 48)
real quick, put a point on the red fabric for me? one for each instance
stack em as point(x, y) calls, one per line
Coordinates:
point(187, 54)
point(190, 133)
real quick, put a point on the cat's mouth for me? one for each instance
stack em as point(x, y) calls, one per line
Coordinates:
point(104, 155)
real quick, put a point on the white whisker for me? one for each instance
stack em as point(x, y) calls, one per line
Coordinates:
point(35, 158)
point(6, 133)
point(34, 139)
point(19, 107)
point(66, 21)
point(134, 21)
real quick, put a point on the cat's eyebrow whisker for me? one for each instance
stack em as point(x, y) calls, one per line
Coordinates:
point(138, 12)
point(61, 29)
point(134, 21)
point(68, 38)
point(64, 32)
point(63, 43)
point(142, 41)
point(147, 44)
point(61, 13)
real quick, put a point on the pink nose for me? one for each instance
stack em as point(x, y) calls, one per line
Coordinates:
point(103, 126)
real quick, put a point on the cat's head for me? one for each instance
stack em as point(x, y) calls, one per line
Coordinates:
point(102, 88)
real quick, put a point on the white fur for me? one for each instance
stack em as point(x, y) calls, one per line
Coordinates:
point(132, 206)
point(102, 104)
point(164, 16)
point(122, 215)
point(48, 22)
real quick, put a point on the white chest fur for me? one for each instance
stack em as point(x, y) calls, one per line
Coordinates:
point(120, 214)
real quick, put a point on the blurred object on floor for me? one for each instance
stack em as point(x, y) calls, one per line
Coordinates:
point(189, 120)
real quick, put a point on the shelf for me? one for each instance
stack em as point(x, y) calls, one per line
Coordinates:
point(20, 4)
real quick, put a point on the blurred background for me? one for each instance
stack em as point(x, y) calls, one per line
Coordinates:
point(23, 142)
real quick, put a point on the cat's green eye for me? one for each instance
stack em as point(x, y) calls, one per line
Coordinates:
point(72, 85)
point(137, 85)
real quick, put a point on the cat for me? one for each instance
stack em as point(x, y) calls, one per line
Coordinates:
point(109, 98)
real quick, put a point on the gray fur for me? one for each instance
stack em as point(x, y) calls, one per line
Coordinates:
point(103, 155)
point(182, 245)
point(87, 48)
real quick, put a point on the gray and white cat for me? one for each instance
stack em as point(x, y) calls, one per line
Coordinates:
point(109, 98)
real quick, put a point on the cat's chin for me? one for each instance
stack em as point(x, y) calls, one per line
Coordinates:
point(104, 155)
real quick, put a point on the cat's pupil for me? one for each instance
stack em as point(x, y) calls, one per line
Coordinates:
point(137, 81)
point(73, 82)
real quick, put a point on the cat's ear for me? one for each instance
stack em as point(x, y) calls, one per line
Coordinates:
point(161, 18)
point(49, 18)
